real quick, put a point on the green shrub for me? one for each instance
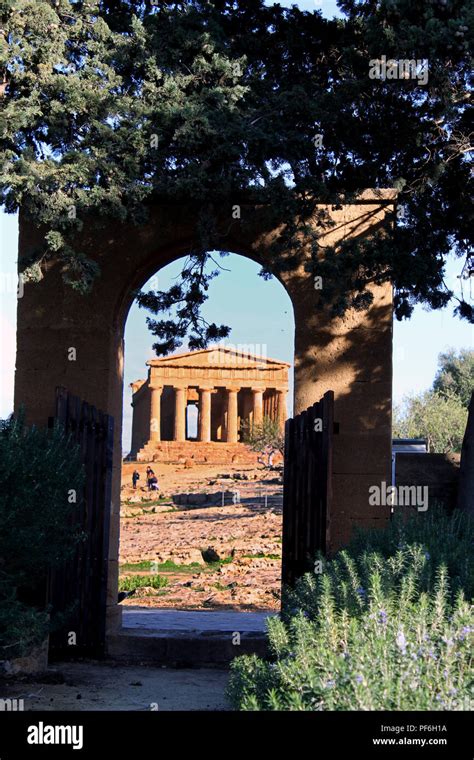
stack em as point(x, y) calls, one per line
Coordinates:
point(377, 630)
point(21, 627)
point(134, 582)
point(39, 470)
point(446, 539)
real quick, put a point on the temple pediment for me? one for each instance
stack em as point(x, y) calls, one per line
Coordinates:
point(219, 357)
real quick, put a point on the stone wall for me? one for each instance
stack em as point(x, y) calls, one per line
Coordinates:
point(440, 472)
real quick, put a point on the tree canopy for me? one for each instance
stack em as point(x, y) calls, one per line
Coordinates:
point(440, 414)
point(455, 376)
point(265, 437)
point(109, 104)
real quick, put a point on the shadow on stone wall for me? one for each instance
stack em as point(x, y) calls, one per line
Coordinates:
point(440, 472)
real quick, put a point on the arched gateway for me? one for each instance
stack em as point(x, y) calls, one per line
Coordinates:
point(351, 355)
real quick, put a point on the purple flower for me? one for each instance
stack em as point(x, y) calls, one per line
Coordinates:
point(401, 641)
point(382, 617)
point(359, 679)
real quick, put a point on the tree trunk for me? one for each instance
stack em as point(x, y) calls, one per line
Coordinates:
point(466, 473)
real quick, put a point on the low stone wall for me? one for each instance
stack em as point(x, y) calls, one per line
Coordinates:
point(440, 472)
point(216, 499)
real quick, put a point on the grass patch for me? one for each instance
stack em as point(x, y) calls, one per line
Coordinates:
point(171, 567)
point(134, 582)
point(130, 567)
point(147, 502)
point(261, 555)
point(220, 586)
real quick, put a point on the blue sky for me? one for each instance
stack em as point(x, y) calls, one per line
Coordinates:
point(258, 312)
point(327, 7)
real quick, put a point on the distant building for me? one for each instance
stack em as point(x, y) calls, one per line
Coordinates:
point(406, 446)
point(410, 445)
point(227, 387)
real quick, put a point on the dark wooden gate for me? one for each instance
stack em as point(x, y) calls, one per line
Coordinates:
point(77, 590)
point(307, 488)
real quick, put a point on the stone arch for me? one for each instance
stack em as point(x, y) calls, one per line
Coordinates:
point(147, 430)
point(350, 355)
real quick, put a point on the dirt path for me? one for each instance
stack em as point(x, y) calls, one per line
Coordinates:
point(98, 686)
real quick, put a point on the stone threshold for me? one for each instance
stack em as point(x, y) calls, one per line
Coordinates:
point(179, 638)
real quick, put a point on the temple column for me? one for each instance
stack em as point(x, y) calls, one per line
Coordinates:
point(257, 416)
point(247, 408)
point(274, 406)
point(179, 414)
point(281, 409)
point(204, 428)
point(155, 412)
point(232, 415)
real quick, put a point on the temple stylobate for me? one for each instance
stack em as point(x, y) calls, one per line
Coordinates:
point(225, 388)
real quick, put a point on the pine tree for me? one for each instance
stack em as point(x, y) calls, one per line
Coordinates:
point(107, 105)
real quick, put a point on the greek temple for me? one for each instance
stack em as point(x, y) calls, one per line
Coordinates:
point(230, 389)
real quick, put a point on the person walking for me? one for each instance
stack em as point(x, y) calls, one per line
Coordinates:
point(135, 478)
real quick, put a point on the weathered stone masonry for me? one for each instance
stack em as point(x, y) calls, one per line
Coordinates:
point(230, 389)
point(350, 355)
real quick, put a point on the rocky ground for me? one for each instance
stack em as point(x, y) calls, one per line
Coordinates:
point(211, 556)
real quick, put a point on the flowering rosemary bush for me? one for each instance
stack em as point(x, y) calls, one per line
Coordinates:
point(448, 539)
point(371, 632)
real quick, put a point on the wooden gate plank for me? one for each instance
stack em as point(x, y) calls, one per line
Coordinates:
point(82, 580)
point(307, 488)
